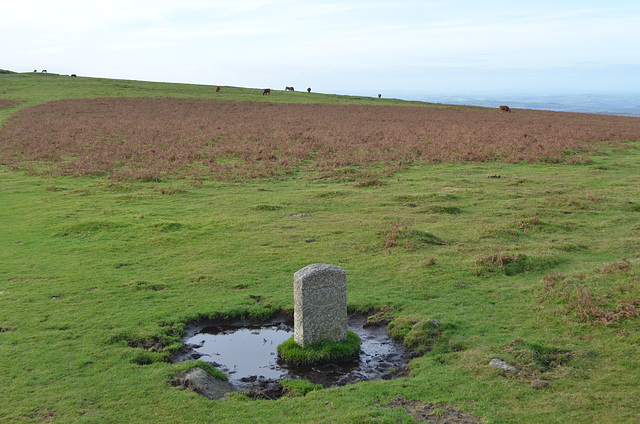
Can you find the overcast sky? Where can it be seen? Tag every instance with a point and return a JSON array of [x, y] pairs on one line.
[[347, 46]]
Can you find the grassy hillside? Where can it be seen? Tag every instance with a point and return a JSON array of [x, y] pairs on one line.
[[35, 88], [535, 264]]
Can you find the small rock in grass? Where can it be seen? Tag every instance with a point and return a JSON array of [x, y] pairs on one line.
[[204, 384], [497, 363]]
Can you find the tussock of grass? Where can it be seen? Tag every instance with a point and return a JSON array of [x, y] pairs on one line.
[[331, 194], [397, 236], [86, 228], [369, 183], [425, 335], [145, 357], [606, 296], [534, 358], [506, 263], [633, 207], [511, 265], [571, 247], [266, 208], [144, 285], [298, 388], [451, 210], [321, 352], [411, 199]]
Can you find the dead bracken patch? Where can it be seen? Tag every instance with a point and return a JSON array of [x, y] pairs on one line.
[[436, 413], [152, 138], [606, 296], [7, 103]]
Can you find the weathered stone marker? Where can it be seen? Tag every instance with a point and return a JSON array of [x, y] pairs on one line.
[[320, 304]]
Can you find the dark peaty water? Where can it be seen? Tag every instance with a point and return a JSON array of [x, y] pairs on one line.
[[247, 352]]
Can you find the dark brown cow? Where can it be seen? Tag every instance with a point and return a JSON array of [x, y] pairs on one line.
[[217, 89], [266, 92], [289, 89], [504, 108], [379, 95], [309, 90]]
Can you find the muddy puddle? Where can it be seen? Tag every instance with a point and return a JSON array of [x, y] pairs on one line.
[[247, 353]]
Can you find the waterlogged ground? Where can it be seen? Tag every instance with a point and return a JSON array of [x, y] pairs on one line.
[[247, 353]]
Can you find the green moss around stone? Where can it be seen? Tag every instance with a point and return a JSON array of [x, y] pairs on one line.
[[187, 366], [321, 352]]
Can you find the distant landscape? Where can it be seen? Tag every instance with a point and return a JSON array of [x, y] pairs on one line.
[[606, 104]]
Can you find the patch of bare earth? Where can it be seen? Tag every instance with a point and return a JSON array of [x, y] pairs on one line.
[[436, 413], [151, 138]]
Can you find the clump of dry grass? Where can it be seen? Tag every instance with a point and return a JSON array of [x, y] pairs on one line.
[[397, 236], [148, 139], [503, 262], [603, 297]]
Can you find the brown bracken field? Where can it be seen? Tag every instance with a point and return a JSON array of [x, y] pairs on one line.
[[152, 138], [7, 103]]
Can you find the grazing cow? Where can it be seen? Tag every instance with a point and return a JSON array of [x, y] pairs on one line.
[[35, 70], [266, 92], [74, 76], [289, 89], [309, 90], [379, 95], [44, 71], [504, 108], [217, 89]]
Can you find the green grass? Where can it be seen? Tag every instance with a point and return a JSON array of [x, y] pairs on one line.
[[320, 352], [98, 279], [36, 88], [298, 388]]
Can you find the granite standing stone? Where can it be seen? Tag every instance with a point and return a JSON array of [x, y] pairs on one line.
[[320, 304]]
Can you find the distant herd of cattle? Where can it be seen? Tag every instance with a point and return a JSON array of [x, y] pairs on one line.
[[267, 91]]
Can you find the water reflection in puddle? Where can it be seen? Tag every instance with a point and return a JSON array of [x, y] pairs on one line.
[[248, 352]]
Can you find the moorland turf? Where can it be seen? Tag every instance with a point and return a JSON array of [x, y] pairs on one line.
[[479, 235]]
